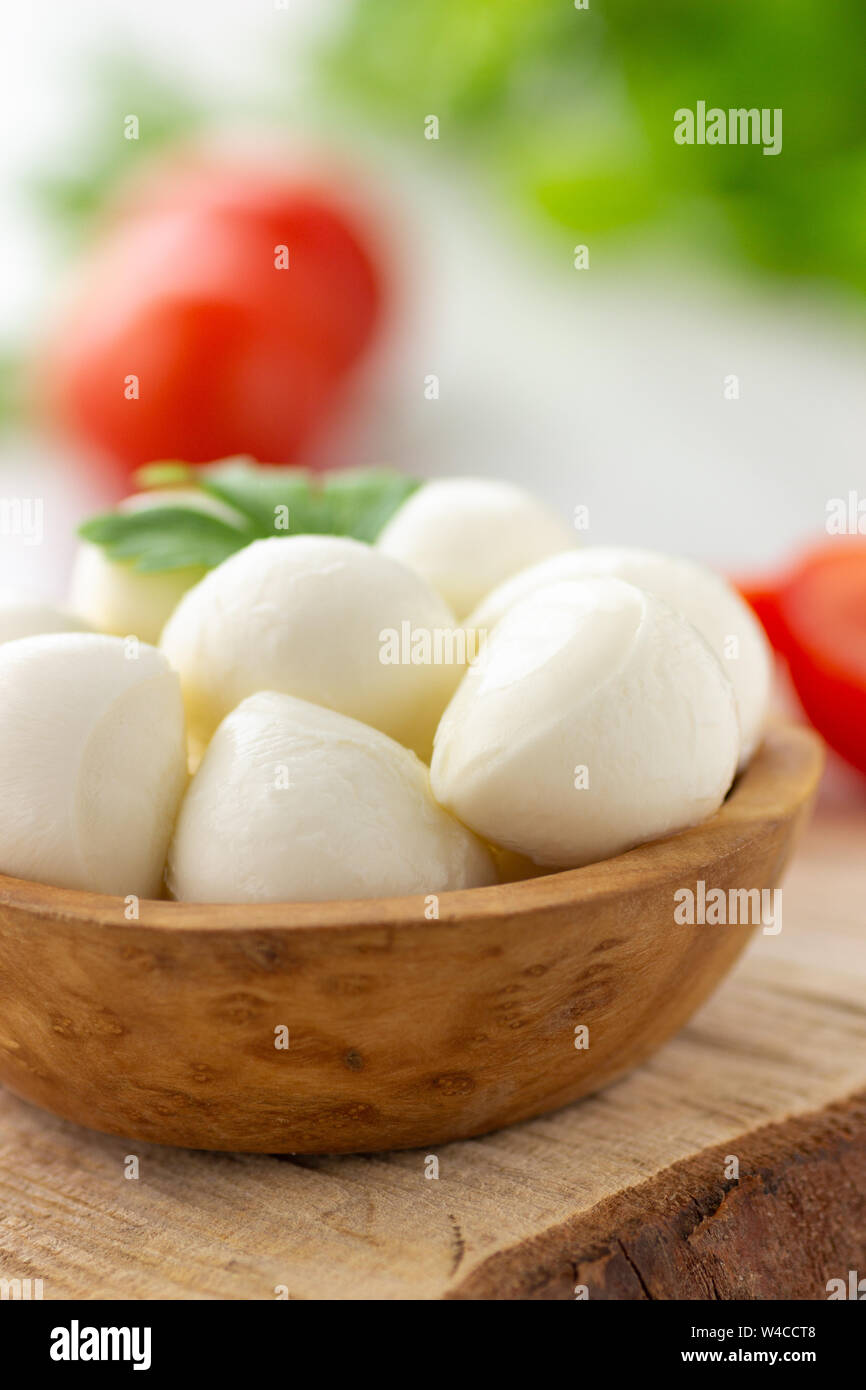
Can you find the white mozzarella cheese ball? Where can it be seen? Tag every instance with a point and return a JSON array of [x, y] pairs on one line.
[[119, 599], [92, 762], [124, 601], [295, 803], [711, 604], [596, 717], [464, 535], [322, 618], [23, 616]]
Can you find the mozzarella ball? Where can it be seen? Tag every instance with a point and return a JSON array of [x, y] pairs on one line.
[[296, 803], [708, 601], [23, 616], [119, 599], [464, 535], [319, 617], [92, 762], [123, 601], [595, 717]]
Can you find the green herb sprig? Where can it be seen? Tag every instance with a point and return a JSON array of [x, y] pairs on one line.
[[252, 502]]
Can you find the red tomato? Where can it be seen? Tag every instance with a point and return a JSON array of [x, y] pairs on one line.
[[822, 610], [763, 596], [229, 353]]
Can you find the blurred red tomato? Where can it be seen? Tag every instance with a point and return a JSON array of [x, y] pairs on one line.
[[822, 609], [219, 315], [815, 616]]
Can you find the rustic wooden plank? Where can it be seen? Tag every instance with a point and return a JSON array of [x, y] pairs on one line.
[[786, 1221], [785, 1036]]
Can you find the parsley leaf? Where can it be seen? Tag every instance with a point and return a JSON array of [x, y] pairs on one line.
[[166, 538], [263, 501]]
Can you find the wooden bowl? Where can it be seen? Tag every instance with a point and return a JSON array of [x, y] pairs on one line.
[[404, 1030]]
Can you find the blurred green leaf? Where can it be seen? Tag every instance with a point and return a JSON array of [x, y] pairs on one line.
[[11, 380], [73, 196], [571, 113]]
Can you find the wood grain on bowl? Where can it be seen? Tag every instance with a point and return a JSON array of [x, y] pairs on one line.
[[403, 1029]]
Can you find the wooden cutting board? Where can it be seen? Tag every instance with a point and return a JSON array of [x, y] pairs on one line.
[[628, 1194]]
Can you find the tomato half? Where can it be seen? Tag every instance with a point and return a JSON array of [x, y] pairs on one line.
[[763, 596], [822, 610]]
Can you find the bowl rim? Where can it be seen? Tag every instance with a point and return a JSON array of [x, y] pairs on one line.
[[645, 866]]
